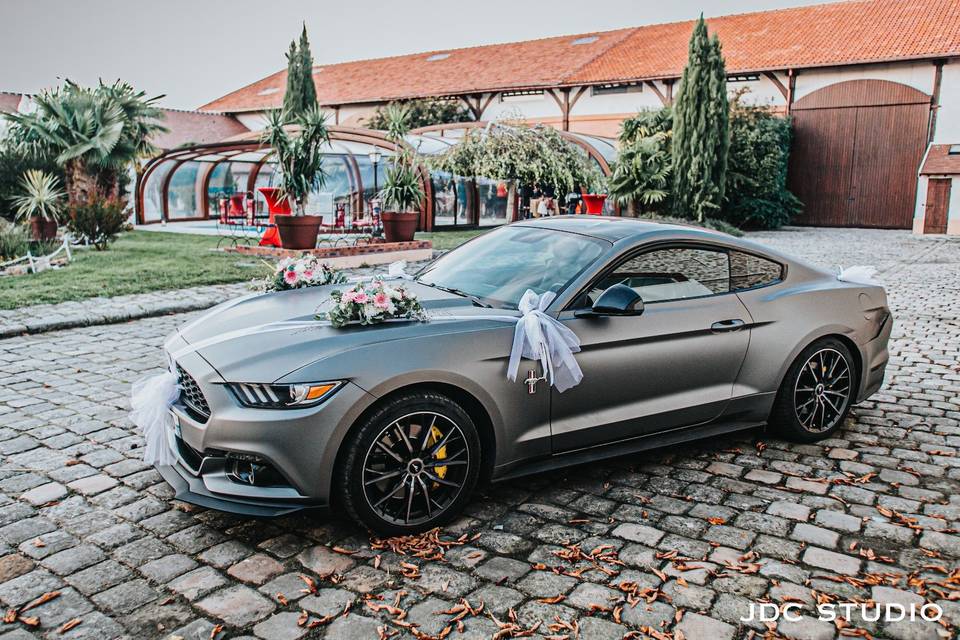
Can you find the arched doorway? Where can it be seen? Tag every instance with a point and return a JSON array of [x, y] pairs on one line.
[[856, 152]]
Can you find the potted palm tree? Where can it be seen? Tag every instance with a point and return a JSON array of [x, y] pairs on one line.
[[402, 193], [298, 141], [40, 203]]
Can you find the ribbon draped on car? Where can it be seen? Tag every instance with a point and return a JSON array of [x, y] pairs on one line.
[[537, 336], [859, 274]]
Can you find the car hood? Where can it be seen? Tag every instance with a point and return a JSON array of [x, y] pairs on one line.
[[264, 337]]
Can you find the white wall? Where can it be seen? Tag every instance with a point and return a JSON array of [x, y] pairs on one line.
[[918, 75], [948, 118]]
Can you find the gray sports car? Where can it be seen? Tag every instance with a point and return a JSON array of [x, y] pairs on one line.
[[685, 333]]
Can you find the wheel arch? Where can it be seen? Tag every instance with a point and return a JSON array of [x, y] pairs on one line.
[[468, 401], [834, 333]]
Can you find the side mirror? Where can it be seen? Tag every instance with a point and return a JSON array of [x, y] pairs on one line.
[[618, 300]]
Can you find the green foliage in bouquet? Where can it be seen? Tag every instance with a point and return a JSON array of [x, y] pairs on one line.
[[374, 302], [298, 273]]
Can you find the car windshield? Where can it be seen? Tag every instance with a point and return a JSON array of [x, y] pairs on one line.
[[498, 267]]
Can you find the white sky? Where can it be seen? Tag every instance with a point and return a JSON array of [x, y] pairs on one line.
[[197, 50]]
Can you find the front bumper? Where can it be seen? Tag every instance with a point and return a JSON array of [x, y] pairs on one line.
[[299, 445]]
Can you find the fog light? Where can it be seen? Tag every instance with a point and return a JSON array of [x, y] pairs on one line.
[[255, 473]]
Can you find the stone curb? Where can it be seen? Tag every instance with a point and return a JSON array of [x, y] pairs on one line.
[[124, 314]]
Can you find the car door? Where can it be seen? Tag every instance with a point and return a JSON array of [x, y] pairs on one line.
[[672, 366]]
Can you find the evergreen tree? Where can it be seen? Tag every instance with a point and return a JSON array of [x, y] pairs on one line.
[[700, 131], [293, 97], [309, 90]]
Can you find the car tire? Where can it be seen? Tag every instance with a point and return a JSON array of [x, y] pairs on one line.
[[393, 479], [817, 392]]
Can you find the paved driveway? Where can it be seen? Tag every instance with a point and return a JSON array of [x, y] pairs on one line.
[[678, 540]]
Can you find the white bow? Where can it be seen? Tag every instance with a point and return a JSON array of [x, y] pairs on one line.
[[859, 274], [151, 399], [539, 336]]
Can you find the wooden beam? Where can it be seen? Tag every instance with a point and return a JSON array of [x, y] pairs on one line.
[[486, 104], [772, 77], [935, 98], [663, 99], [577, 97], [791, 88]]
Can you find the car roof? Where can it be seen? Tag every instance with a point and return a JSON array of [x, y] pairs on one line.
[[609, 228], [631, 230]]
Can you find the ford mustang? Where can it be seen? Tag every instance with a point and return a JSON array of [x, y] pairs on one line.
[[684, 333]]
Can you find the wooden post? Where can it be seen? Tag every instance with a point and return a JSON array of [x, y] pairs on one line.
[[935, 98]]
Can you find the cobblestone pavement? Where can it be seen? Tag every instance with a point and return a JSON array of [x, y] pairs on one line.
[[676, 542]]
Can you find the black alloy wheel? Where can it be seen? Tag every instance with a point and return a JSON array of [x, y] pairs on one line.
[[817, 392], [412, 465]]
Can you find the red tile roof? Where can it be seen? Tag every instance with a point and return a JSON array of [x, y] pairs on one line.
[[939, 161], [820, 35], [187, 127], [814, 36], [533, 63]]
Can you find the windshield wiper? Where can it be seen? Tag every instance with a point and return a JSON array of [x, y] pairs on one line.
[[469, 296]]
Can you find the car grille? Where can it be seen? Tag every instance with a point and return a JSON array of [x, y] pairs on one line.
[[190, 394]]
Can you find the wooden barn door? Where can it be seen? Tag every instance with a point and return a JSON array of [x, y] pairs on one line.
[[938, 202], [856, 151]]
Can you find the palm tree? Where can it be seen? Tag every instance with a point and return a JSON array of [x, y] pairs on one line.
[[95, 134]]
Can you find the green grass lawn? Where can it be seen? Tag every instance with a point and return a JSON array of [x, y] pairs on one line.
[[445, 240], [139, 261], [142, 261]]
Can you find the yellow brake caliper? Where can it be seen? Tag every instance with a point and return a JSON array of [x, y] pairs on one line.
[[432, 439]]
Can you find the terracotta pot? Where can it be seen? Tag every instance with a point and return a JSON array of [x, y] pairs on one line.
[[594, 202], [298, 232], [43, 229], [399, 226]]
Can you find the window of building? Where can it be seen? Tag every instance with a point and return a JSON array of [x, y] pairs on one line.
[[585, 40], [672, 274], [620, 87], [521, 96], [748, 271], [743, 77]]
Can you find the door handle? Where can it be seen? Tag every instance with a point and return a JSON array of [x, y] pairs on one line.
[[734, 324]]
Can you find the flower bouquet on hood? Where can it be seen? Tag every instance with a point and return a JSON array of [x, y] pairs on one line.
[[297, 273], [372, 303]]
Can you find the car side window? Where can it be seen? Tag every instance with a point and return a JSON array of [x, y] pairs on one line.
[[674, 273], [748, 271]]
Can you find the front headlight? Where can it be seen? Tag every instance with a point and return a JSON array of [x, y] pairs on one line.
[[283, 396]]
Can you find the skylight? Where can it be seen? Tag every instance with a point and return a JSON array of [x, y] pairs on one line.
[[585, 40], [438, 56], [267, 92]]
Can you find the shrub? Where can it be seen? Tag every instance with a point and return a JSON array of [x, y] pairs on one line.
[[13, 165], [641, 175], [98, 220], [757, 195], [14, 240], [422, 113]]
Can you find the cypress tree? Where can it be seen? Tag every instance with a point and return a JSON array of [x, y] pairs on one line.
[[293, 97], [309, 90], [701, 129]]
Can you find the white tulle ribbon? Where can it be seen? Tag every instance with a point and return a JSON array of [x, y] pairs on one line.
[[398, 269], [151, 399], [542, 337], [859, 274]]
